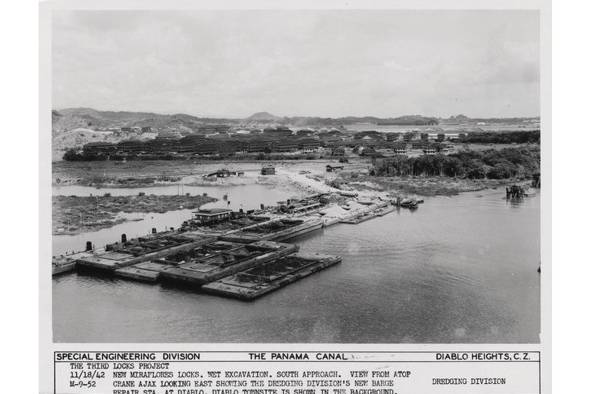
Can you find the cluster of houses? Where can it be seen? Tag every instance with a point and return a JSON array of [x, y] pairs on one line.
[[196, 144], [223, 140]]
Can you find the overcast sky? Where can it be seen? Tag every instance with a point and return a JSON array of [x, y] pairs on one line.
[[317, 63]]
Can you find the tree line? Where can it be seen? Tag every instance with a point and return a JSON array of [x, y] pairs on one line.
[[518, 137], [505, 163]]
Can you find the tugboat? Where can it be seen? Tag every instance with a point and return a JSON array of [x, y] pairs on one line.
[[409, 203], [515, 192]]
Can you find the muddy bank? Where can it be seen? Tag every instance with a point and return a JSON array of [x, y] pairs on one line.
[[108, 172], [74, 215], [103, 181], [422, 186]]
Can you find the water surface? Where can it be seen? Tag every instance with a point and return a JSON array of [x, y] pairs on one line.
[[459, 269], [234, 197]]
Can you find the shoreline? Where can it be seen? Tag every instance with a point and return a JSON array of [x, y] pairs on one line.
[[74, 215], [289, 176], [433, 187]]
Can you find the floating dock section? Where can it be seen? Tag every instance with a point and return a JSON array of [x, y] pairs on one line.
[[204, 265], [147, 271], [265, 278], [127, 253], [63, 264], [275, 230], [235, 222], [233, 254], [381, 210]]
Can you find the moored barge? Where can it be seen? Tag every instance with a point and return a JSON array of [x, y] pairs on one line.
[[126, 253], [265, 278], [215, 261]]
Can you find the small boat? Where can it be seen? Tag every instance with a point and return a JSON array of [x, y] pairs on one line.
[[409, 203]]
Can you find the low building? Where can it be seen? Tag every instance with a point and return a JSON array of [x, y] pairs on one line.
[[214, 129], [285, 146], [259, 146], [400, 149], [222, 173], [338, 151], [99, 148], [367, 151], [268, 170], [420, 145], [309, 145], [409, 136], [430, 149], [278, 132], [165, 142], [305, 133], [131, 146], [213, 215], [331, 168], [392, 136], [192, 143], [368, 135]]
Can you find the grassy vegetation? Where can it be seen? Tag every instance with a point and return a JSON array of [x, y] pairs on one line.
[[511, 137], [520, 163], [72, 214]]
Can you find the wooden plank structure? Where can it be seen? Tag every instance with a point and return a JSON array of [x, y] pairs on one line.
[[262, 279]]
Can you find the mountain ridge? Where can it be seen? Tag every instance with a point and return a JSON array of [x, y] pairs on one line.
[[84, 117]]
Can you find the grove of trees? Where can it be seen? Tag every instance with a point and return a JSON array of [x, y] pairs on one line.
[[521, 162]]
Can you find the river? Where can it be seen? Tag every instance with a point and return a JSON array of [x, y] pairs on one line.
[[459, 269], [245, 197]]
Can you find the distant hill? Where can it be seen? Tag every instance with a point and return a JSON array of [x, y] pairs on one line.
[[459, 118], [463, 119], [76, 138], [74, 127], [411, 120], [263, 116], [71, 118], [314, 121]]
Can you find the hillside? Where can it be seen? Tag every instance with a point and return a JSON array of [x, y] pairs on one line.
[[263, 116], [74, 127], [76, 138], [414, 120], [71, 118]]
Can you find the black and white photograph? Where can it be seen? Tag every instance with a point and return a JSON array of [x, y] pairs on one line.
[[296, 176]]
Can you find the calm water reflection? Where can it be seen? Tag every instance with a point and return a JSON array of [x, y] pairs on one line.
[[244, 196], [459, 269]]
